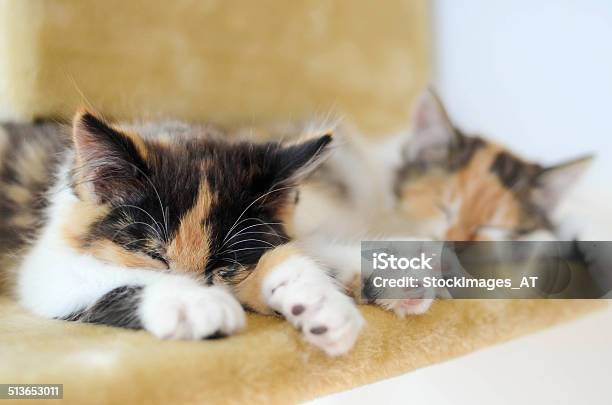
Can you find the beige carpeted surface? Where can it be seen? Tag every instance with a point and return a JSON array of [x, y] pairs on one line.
[[268, 363]]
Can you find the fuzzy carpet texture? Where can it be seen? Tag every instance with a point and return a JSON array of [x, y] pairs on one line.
[[231, 62], [267, 363]]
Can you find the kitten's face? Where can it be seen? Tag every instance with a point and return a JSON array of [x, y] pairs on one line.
[[187, 203], [461, 187]]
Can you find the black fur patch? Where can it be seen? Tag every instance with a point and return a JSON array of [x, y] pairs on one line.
[[118, 307], [463, 150], [252, 184], [519, 177], [512, 172]]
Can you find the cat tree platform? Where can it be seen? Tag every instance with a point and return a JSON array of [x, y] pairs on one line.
[[267, 363]]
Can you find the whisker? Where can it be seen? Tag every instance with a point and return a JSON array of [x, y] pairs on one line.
[[251, 204], [134, 241], [136, 223], [234, 261], [161, 205], [243, 249], [252, 226], [263, 233], [250, 240], [143, 210]]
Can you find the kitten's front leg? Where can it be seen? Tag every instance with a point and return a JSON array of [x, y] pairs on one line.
[[345, 260], [169, 306], [295, 286], [175, 308], [182, 309]]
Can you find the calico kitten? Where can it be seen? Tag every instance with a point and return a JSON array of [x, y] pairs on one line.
[[430, 182], [168, 228], [464, 187]]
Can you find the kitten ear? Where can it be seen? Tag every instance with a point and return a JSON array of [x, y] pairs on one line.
[[553, 182], [109, 163], [432, 132], [295, 162]]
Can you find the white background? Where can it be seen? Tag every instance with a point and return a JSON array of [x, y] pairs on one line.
[[536, 76]]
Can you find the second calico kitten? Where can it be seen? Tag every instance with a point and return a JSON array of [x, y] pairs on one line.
[[430, 182]]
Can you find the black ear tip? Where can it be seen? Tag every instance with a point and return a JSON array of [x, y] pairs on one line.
[[326, 139], [83, 114], [86, 119], [89, 123]]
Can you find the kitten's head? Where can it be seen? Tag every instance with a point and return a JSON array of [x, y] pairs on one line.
[[464, 187], [189, 202]]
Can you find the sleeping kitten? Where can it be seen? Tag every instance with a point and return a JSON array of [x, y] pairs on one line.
[[464, 187], [168, 228], [433, 182]]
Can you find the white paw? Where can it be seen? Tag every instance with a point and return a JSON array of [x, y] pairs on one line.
[[416, 301], [406, 306], [311, 301], [182, 309]]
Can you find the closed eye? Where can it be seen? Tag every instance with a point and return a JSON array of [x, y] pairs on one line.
[[159, 258], [496, 232]]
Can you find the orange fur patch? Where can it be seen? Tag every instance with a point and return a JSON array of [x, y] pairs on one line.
[[418, 195], [190, 249], [110, 252], [473, 198], [287, 216], [249, 292], [83, 214], [485, 201]]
